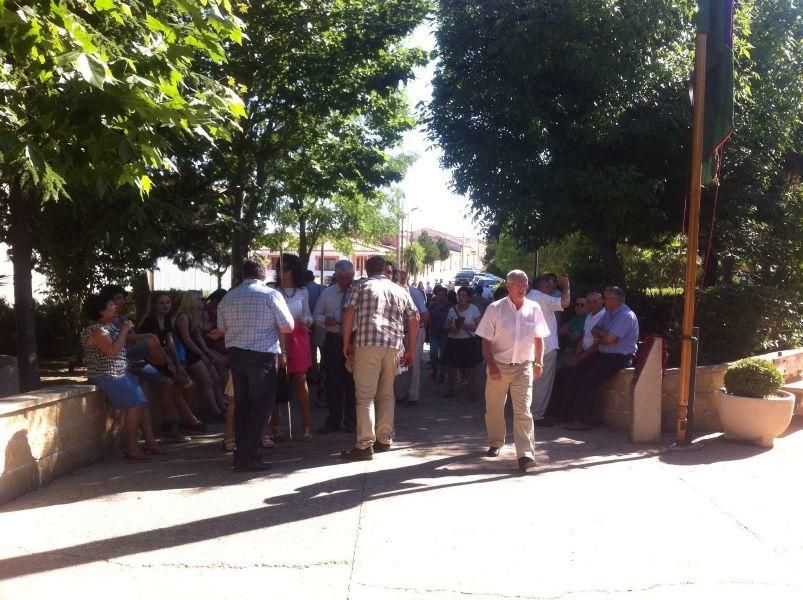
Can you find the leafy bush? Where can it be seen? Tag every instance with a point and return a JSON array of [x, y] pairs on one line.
[[753, 378]]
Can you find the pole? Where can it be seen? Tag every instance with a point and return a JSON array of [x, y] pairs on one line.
[[686, 343], [322, 263], [401, 244]]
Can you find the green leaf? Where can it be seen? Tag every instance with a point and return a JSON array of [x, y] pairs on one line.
[[92, 70]]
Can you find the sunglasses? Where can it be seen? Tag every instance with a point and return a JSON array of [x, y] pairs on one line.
[[579, 304]]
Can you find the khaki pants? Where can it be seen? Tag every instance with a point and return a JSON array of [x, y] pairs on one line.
[[518, 380], [374, 372]]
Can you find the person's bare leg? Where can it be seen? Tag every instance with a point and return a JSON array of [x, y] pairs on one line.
[[166, 397], [184, 410], [131, 422], [200, 374], [452, 377], [217, 386], [472, 384], [302, 394], [229, 435]]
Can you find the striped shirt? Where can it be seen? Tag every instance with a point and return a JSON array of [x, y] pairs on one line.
[[381, 310], [252, 315]]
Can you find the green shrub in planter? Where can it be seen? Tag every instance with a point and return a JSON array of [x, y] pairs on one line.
[[753, 378]]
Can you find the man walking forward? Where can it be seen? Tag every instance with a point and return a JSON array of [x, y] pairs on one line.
[[253, 316], [512, 331], [380, 308]]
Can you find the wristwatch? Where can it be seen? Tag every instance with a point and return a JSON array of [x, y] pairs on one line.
[[538, 364]]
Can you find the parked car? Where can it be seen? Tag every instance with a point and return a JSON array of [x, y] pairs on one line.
[[487, 279], [464, 277]]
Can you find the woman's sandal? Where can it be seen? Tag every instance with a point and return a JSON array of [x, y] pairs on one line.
[[267, 441], [229, 445], [306, 436], [154, 450], [138, 456]]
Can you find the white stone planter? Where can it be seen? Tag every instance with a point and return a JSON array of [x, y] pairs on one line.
[[759, 420]]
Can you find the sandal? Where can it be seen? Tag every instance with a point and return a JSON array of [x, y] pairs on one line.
[[229, 445], [153, 449], [306, 436], [138, 456], [267, 442], [276, 434]]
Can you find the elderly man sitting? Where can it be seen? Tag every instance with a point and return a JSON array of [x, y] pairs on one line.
[[616, 335]]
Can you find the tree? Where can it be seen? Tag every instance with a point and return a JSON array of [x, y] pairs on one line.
[[309, 69], [565, 116], [431, 251], [762, 167], [414, 259], [443, 249], [91, 95]]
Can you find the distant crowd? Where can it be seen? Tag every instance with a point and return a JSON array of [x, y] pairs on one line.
[[232, 358]]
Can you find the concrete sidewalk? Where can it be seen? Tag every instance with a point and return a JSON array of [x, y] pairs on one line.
[[434, 518]]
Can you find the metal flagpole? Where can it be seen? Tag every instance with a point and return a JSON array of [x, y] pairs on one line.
[[688, 366]]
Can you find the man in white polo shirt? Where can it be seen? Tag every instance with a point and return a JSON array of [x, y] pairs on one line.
[[512, 331], [542, 293]]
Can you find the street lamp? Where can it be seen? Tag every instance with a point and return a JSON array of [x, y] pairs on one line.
[[401, 237]]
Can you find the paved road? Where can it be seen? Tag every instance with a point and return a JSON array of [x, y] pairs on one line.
[[434, 518]]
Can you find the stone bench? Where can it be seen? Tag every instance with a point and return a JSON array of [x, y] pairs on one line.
[[49, 432], [796, 389]]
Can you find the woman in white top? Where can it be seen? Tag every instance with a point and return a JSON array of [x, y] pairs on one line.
[[462, 347], [296, 349]]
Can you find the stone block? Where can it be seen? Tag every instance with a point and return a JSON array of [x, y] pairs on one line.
[[645, 422], [17, 482]]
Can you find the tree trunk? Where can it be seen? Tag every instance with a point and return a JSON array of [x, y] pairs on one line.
[[141, 294], [21, 239], [303, 245], [612, 267]]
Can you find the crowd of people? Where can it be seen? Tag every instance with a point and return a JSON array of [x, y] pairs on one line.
[[233, 357]]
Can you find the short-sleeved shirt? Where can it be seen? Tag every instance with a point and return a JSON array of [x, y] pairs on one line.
[[252, 315], [549, 306], [471, 316], [99, 365], [512, 331], [624, 325], [419, 299], [381, 310], [576, 323], [590, 323]]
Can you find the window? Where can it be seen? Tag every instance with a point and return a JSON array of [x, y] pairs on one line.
[[328, 263]]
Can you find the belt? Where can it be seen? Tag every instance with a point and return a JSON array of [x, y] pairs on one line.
[[517, 364]]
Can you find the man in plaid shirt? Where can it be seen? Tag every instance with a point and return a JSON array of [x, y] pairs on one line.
[[380, 308]]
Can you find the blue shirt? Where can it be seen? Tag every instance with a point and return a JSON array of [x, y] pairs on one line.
[[418, 299], [624, 325], [252, 315], [314, 291]]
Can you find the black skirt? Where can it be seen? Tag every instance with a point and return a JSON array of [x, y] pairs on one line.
[[463, 353]]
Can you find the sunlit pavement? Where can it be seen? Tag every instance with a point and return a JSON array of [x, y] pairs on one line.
[[598, 517]]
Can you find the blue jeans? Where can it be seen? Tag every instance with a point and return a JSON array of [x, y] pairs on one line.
[[436, 347]]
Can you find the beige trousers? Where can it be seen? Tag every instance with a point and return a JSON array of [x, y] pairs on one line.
[[374, 372], [518, 380]]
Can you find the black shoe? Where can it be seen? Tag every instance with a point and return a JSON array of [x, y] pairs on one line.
[[525, 462], [545, 422], [357, 454], [252, 467], [199, 427], [327, 429], [380, 447], [493, 451]]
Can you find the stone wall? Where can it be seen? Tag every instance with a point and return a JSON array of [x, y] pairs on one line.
[[615, 400], [50, 432]]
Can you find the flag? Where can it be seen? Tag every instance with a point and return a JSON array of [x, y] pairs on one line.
[[715, 17]]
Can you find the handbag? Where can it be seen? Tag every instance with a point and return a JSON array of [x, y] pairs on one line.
[[282, 386], [181, 351]]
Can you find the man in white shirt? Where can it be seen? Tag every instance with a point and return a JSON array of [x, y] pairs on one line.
[[328, 315], [542, 293], [512, 331]]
